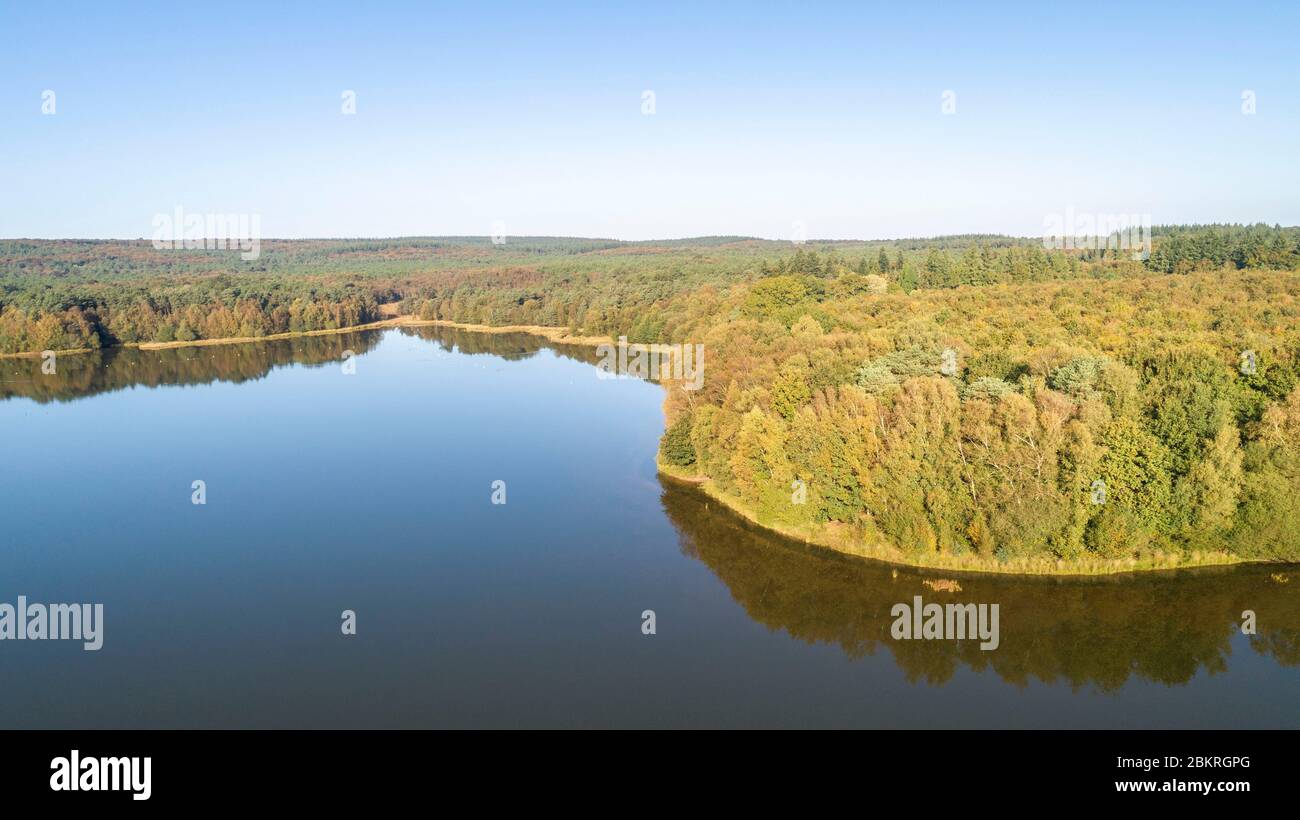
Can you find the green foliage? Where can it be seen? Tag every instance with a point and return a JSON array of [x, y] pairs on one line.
[[1190, 401], [790, 391], [1137, 475], [1079, 376], [996, 364], [1182, 248], [875, 377], [987, 388], [676, 445], [770, 295]]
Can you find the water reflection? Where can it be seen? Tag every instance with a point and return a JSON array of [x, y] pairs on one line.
[[81, 375], [1098, 632], [509, 346]]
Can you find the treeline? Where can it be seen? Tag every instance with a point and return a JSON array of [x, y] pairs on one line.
[[70, 294], [938, 268], [1182, 249], [620, 299], [71, 317]]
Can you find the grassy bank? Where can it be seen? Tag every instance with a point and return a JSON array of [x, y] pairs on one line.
[[556, 335], [842, 541]]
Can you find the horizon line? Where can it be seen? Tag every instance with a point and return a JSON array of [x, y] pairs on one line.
[[728, 237]]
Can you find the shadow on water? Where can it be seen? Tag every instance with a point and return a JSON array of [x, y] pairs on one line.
[[1163, 627], [79, 376], [1098, 632], [82, 375], [509, 346]]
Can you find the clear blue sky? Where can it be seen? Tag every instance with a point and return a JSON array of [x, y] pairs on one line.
[[765, 114]]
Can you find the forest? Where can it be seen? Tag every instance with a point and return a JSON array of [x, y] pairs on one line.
[[968, 401]]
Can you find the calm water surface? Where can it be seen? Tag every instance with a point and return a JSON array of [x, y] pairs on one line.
[[372, 492]]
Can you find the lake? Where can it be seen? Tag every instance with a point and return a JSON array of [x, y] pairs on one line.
[[373, 492]]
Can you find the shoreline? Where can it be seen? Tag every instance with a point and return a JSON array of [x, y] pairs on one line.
[[969, 565], [818, 537], [555, 335]]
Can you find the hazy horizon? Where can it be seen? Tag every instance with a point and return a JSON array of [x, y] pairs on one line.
[[572, 237]]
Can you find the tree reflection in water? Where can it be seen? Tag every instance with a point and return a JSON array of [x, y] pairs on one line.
[[1098, 632]]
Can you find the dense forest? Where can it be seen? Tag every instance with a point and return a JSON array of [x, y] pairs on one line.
[[79, 294], [1107, 420], [964, 400]]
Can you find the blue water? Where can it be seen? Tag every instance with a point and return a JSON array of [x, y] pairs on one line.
[[372, 492]]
